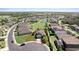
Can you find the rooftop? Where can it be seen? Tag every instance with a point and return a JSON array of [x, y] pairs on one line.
[[70, 41], [24, 28], [76, 26]]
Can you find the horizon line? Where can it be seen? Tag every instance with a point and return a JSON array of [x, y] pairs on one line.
[[39, 9]]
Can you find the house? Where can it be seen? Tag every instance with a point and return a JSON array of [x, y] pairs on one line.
[[71, 43], [55, 26], [23, 28], [75, 28], [41, 32], [53, 20], [69, 40], [33, 19]]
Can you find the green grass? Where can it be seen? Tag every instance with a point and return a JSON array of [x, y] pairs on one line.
[[46, 40], [39, 24], [24, 38], [2, 44], [52, 39]]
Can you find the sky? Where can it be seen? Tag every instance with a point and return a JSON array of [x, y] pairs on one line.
[[39, 9]]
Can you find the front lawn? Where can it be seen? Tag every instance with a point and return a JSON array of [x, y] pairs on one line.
[[24, 38]]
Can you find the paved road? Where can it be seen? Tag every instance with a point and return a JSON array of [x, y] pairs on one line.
[[11, 45], [28, 47]]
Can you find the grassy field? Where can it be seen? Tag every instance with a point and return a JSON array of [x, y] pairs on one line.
[[24, 38]]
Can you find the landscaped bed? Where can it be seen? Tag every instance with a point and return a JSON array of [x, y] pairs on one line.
[[52, 39], [24, 38], [46, 40]]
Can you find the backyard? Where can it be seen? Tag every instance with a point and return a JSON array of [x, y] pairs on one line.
[[39, 24]]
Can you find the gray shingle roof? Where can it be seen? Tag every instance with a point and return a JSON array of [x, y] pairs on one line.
[[24, 28]]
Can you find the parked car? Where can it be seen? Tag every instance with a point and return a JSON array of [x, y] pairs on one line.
[[22, 44]]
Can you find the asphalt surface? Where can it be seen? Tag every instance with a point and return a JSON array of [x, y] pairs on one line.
[[11, 45], [32, 46]]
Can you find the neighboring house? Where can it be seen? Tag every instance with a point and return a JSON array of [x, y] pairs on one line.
[[53, 20], [23, 28], [70, 42], [33, 19], [41, 32], [60, 33], [55, 26], [9, 24], [75, 28]]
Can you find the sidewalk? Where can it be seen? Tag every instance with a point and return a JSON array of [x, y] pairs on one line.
[[38, 40]]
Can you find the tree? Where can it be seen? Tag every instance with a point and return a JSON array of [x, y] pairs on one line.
[[17, 30], [3, 21]]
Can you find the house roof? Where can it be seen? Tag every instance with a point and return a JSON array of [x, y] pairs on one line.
[[23, 28], [67, 38], [41, 32], [76, 26]]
